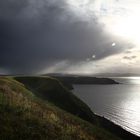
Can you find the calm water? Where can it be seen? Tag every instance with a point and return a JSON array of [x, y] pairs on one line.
[[119, 103]]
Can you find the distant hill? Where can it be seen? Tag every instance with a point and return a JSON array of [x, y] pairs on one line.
[[96, 75], [69, 79], [25, 116]]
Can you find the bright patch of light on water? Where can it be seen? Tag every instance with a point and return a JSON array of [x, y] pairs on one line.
[[128, 80]]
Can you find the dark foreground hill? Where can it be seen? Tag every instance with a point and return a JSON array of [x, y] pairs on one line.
[[69, 80], [25, 116], [53, 91]]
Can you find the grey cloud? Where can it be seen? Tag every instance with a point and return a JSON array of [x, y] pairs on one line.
[[35, 34], [128, 52], [129, 57]]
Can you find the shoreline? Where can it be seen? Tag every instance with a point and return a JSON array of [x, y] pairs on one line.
[[106, 123], [114, 128]]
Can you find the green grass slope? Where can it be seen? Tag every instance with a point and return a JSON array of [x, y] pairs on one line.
[[23, 116], [53, 91]]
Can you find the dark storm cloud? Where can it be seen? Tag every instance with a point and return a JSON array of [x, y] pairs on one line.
[[36, 33]]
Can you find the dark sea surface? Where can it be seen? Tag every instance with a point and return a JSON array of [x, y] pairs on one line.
[[119, 103]]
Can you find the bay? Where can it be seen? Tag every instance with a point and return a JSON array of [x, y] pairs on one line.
[[118, 103]]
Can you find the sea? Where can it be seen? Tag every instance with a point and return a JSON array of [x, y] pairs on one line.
[[119, 103]]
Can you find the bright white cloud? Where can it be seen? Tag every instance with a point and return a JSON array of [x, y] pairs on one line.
[[121, 18]]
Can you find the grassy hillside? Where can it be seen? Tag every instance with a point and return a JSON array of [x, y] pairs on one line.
[[53, 91], [24, 116]]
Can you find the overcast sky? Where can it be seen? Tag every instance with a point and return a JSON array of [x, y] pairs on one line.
[[73, 36]]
